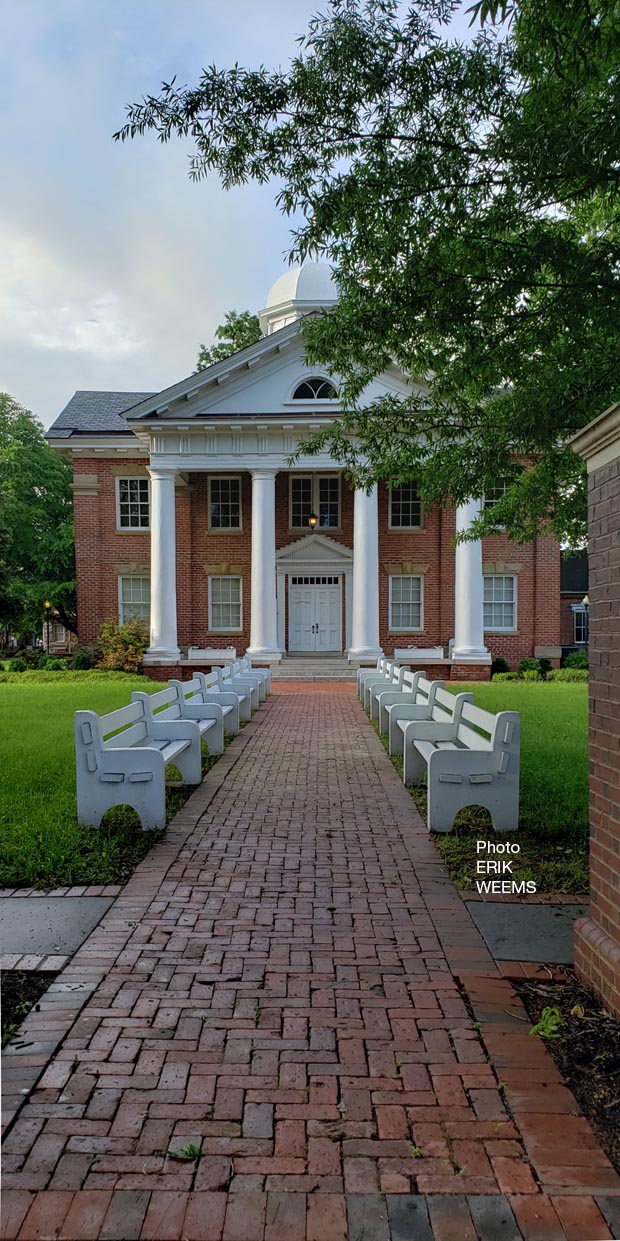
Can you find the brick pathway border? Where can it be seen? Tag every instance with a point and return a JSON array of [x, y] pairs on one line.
[[290, 979]]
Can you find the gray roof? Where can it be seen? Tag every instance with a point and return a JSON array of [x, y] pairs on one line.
[[95, 413]]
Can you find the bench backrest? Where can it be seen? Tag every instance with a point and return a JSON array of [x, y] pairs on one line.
[[124, 727], [448, 708], [500, 733], [206, 681], [417, 684], [163, 704]]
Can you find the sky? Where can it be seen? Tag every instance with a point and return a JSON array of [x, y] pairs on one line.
[[114, 266]]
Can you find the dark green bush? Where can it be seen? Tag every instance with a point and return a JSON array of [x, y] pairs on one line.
[[19, 665], [529, 665], [82, 659], [31, 657], [54, 665], [577, 659], [545, 666], [499, 665]]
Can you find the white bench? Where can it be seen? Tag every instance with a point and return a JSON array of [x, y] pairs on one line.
[[247, 685], [382, 677], [121, 758], [263, 673], [242, 670], [363, 673], [211, 689], [442, 708], [391, 685], [471, 761], [416, 694], [222, 709], [171, 704]]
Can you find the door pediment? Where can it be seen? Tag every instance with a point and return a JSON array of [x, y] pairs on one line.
[[314, 549]]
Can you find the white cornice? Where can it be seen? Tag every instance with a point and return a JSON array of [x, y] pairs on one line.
[[599, 442]]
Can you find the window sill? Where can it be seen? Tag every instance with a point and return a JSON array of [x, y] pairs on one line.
[[133, 530], [225, 529], [499, 632]]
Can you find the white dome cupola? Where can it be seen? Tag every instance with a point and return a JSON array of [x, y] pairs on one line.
[[297, 292]]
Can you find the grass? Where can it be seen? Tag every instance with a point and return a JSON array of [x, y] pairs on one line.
[[553, 831], [42, 844]]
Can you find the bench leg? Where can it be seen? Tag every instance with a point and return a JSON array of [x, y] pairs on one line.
[[442, 806], [505, 817], [189, 763], [413, 763]]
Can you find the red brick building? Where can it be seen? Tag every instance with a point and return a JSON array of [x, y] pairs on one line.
[[189, 515]]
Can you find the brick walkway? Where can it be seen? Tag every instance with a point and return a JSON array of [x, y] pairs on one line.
[[279, 985]]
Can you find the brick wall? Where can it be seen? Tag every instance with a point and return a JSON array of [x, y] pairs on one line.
[[102, 553], [597, 940]]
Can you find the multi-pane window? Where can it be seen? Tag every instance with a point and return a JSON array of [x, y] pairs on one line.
[[405, 602], [315, 493], [134, 599], [580, 621], [315, 389], [329, 501], [405, 507], [500, 601], [493, 494], [301, 500], [132, 504], [225, 604], [225, 503]]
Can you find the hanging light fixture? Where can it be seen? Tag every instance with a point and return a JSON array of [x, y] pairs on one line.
[[312, 520]]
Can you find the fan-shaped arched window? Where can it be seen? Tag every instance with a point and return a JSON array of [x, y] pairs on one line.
[[315, 389]]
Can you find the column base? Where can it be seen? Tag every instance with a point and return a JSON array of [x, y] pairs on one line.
[[263, 655], [162, 655], [597, 962], [364, 654]]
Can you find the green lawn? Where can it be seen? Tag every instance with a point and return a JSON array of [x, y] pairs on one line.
[[41, 843], [554, 787]]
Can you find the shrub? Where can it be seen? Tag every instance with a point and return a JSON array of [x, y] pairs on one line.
[[82, 659], [545, 667], [506, 676], [18, 665], [577, 659], [123, 646], [529, 665], [568, 674], [29, 656], [54, 665], [499, 665], [529, 674]]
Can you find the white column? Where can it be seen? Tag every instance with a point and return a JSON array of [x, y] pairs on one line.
[[264, 613], [164, 646], [365, 602], [468, 592]]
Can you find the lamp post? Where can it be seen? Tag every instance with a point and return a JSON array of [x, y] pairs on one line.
[[47, 605], [586, 603], [312, 520]]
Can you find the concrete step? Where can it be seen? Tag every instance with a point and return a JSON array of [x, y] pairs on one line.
[[318, 668]]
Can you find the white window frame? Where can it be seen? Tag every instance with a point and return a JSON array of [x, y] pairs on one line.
[[515, 605], [405, 628], [219, 577], [398, 528], [130, 478], [579, 610], [122, 577], [312, 400], [222, 478], [315, 501]]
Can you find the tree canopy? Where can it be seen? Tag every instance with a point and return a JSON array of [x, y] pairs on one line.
[[239, 329], [466, 193], [36, 524]]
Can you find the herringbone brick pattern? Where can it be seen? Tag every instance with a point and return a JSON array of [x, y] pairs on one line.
[[276, 986]]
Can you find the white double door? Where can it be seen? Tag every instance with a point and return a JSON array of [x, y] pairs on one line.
[[314, 614]]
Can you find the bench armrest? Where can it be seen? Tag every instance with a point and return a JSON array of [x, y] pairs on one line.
[[429, 730], [202, 710], [173, 730]]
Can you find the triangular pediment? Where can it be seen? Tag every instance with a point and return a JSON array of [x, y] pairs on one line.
[[314, 549]]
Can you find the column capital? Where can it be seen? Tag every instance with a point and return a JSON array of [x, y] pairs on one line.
[[162, 473], [264, 472]]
